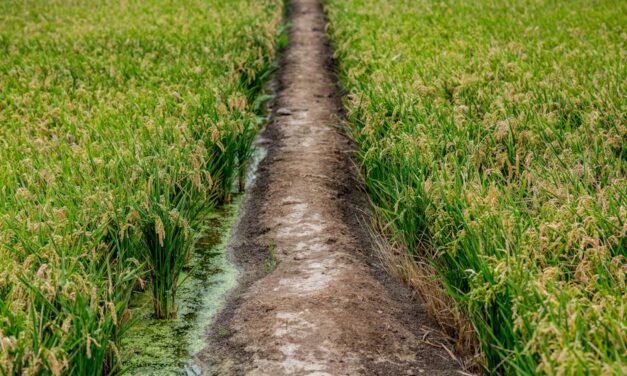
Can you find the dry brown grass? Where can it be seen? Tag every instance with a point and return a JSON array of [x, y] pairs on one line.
[[427, 287]]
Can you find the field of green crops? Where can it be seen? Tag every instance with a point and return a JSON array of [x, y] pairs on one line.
[[493, 138], [122, 124]]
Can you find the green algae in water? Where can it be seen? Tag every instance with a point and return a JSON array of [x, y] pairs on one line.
[[168, 347]]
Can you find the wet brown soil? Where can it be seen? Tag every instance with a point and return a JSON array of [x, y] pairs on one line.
[[313, 300]]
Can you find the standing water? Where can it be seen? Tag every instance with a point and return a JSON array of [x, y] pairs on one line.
[[168, 347]]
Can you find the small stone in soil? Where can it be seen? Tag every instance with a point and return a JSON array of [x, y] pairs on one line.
[[299, 257], [283, 112]]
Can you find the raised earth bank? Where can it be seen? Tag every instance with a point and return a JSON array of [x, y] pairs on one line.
[[313, 300]]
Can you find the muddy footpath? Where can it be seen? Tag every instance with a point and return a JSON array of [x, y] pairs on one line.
[[313, 299]]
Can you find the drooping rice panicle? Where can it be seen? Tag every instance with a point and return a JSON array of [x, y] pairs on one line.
[[121, 125], [493, 139]]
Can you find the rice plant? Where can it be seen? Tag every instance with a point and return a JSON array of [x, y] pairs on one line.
[[492, 137], [122, 124]]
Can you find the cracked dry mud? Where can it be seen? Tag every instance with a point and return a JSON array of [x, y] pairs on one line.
[[325, 308]]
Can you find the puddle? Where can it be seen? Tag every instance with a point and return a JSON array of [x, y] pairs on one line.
[[259, 153]]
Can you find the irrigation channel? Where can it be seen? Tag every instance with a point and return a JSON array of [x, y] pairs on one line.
[[293, 285]]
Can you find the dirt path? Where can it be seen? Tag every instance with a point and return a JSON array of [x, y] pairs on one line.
[[323, 309]]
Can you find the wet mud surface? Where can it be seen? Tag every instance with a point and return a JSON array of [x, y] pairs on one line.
[[312, 299]]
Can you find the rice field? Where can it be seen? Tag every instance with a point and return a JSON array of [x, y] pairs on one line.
[[123, 124], [493, 141], [492, 138]]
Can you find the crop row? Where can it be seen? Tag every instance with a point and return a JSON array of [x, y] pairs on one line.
[[493, 140], [122, 124]]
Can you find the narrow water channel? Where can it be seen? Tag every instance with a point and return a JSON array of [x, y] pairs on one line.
[[168, 347]]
